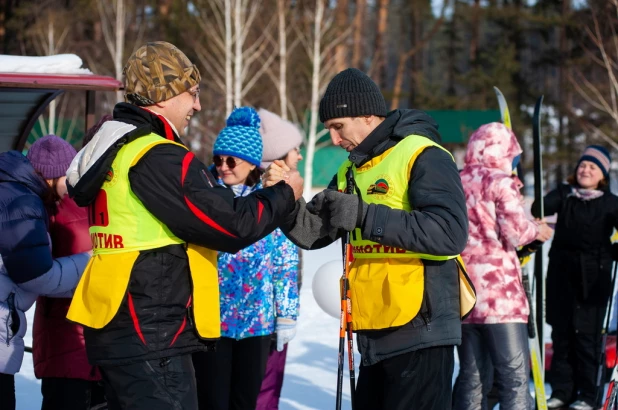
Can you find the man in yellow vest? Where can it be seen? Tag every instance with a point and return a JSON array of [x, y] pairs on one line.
[[150, 296], [408, 224]]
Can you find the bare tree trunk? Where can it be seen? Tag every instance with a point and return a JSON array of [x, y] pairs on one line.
[[283, 63], [380, 55], [115, 41], [452, 54], [403, 58], [238, 19], [359, 25], [418, 16], [119, 51], [51, 50], [342, 18], [475, 32], [315, 93], [229, 89], [562, 77]]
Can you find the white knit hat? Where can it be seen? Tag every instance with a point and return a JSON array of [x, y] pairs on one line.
[[278, 135]]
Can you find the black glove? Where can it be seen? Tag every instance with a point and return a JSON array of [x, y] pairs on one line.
[[345, 211], [529, 249]]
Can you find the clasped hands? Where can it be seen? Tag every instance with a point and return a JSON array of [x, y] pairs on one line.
[[278, 171], [339, 210]]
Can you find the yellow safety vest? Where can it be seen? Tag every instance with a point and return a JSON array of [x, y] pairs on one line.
[[386, 282], [121, 227]]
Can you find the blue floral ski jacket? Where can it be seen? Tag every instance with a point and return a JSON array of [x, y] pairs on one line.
[[258, 284]]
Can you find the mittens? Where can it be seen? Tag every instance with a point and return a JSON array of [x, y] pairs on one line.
[[286, 330]]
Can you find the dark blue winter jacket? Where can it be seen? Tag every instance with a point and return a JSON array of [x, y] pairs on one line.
[[26, 265], [24, 243]]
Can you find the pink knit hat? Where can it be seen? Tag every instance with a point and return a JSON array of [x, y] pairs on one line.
[[278, 135]]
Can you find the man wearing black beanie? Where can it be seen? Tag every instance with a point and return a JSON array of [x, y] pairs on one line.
[[408, 224]]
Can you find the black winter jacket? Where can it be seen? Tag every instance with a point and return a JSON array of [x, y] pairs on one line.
[[437, 225], [159, 291], [580, 260]]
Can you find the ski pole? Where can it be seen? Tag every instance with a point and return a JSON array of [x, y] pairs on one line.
[[345, 323], [342, 327], [608, 313]]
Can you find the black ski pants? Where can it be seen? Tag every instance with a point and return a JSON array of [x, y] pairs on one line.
[[160, 384], [486, 350], [419, 380], [576, 345], [230, 378], [7, 391], [70, 394]]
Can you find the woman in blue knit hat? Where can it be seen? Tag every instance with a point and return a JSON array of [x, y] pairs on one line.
[[258, 288], [579, 277]]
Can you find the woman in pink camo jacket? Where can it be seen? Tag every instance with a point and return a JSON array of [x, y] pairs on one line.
[[494, 336]]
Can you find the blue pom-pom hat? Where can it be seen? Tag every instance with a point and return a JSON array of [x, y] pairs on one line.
[[241, 137]]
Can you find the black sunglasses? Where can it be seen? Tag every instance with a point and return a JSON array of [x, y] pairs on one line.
[[230, 161]]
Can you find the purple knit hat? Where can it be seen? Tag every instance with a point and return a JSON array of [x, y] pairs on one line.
[[51, 156]]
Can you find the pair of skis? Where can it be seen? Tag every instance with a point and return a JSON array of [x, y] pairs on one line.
[[535, 331]]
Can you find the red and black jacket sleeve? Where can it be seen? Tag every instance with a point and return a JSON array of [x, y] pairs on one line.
[[179, 190]]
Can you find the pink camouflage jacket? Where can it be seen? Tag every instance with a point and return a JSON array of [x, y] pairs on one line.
[[497, 226]]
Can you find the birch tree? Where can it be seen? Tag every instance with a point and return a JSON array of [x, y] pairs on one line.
[[49, 37], [113, 24], [323, 67], [227, 55], [48, 42], [214, 48], [285, 48], [283, 63]]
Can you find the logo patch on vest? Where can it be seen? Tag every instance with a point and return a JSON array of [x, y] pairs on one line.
[[381, 188], [110, 177]]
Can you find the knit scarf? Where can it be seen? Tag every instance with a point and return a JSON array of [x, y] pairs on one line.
[[585, 194]]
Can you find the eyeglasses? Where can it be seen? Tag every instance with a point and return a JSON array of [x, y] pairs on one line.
[[231, 162], [195, 94]]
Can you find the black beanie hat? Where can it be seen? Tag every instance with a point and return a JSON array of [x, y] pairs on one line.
[[351, 93]]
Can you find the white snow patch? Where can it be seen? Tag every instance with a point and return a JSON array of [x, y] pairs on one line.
[[56, 64]]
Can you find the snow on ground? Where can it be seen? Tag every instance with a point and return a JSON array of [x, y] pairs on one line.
[[311, 370]]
